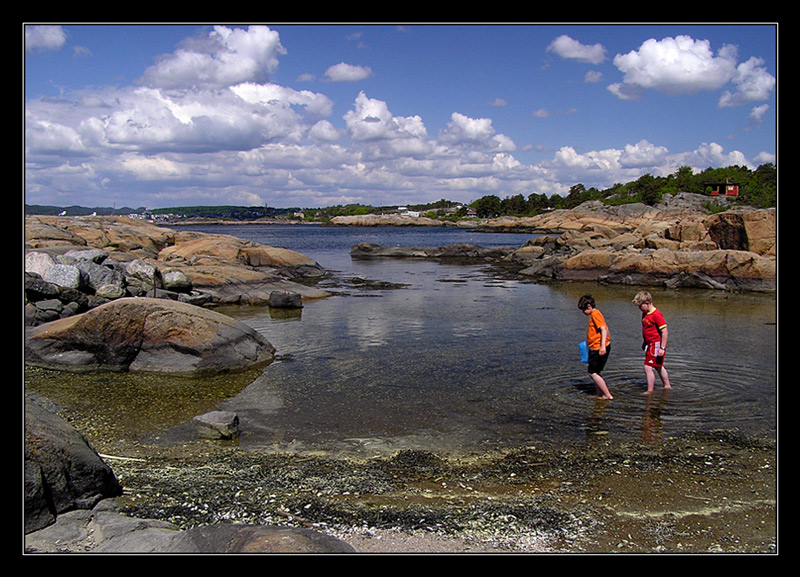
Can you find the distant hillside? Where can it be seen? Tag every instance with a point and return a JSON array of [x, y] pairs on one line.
[[36, 209], [231, 212]]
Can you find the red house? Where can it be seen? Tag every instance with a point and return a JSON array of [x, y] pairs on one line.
[[729, 189]]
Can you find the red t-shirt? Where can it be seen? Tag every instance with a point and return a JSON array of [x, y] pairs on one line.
[[593, 335], [652, 324]]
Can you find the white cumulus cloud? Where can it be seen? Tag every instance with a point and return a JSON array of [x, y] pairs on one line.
[[572, 49], [343, 72], [753, 84], [223, 58], [679, 65], [206, 123]]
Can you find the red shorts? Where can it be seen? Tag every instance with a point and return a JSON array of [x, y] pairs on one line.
[[654, 356]]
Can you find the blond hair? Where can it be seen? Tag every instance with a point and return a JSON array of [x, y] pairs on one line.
[[642, 297]]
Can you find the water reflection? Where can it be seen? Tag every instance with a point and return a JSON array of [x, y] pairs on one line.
[[488, 365], [652, 426]]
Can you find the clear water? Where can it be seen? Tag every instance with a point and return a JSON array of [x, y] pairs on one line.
[[460, 360]]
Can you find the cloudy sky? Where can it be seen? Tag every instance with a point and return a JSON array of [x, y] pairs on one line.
[[319, 115]]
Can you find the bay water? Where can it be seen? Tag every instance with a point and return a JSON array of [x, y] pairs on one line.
[[457, 358]]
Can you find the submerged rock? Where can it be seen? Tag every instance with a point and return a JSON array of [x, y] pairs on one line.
[[285, 300]]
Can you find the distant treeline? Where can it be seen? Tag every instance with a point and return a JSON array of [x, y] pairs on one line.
[[757, 188], [225, 211]]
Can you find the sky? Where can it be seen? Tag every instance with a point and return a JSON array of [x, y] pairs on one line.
[[312, 116]]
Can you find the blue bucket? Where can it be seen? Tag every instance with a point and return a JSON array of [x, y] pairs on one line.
[[584, 348]]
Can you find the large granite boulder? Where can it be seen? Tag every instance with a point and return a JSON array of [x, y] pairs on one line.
[[62, 471], [716, 269], [746, 230], [147, 335], [675, 244], [193, 246]]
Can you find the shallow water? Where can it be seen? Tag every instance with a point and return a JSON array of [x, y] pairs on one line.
[[456, 360], [459, 360]]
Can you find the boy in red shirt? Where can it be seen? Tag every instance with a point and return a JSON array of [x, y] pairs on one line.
[[599, 342], [654, 340]]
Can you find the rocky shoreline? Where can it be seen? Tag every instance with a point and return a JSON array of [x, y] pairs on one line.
[[679, 243], [73, 264], [711, 492]]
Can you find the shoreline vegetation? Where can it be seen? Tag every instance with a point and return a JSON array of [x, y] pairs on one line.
[[710, 492], [728, 187]]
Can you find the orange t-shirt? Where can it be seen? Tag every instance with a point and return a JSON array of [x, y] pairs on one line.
[[593, 335]]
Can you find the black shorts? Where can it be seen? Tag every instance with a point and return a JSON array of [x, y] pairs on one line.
[[597, 361]]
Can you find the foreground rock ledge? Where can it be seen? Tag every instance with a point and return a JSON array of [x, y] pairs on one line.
[[150, 336], [70, 505]]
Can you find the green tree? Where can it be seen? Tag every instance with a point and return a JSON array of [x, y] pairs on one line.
[[577, 195], [647, 189], [514, 206], [537, 203], [487, 206]]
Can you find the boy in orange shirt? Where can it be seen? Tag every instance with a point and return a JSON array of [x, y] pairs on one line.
[[598, 340], [654, 340]]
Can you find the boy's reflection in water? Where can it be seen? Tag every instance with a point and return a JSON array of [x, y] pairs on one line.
[[652, 429], [594, 424]]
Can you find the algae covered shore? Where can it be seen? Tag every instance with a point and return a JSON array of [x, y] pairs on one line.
[[713, 492]]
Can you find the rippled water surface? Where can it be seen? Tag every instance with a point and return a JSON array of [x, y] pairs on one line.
[[459, 359]]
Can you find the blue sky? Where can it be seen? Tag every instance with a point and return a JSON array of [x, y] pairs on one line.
[[319, 115]]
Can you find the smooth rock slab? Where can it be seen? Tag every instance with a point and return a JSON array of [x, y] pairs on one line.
[[150, 336], [104, 530], [233, 538], [217, 425]]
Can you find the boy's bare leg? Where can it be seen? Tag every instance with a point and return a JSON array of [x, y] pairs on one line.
[[600, 385], [651, 378], [664, 377]]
